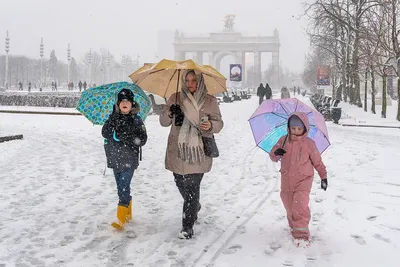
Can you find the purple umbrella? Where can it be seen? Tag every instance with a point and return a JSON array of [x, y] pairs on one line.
[[269, 123]]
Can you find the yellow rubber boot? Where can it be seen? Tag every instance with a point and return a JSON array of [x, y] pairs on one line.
[[122, 215], [129, 215]]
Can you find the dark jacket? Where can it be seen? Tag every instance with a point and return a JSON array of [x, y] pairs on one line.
[[268, 91], [261, 90], [131, 132]]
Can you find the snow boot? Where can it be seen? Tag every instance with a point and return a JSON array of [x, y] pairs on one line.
[[122, 216], [186, 233], [301, 243], [129, 215]]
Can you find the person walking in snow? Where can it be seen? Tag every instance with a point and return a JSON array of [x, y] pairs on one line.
[[268, 91], [125, 134], [191, 113], [299, 156], [84, 86], [261, 93], [80, 86]]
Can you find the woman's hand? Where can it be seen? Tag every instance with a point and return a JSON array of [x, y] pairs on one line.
[[205, 126]]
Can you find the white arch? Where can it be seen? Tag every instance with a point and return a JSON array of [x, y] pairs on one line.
[[218, 57]]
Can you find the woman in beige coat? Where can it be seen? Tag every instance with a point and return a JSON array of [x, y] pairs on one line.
[[191, 113]]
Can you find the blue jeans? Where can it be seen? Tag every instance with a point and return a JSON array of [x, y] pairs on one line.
[[123, 179]]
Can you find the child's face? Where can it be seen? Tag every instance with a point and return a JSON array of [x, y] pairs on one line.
[[125, 106], [296, 130]]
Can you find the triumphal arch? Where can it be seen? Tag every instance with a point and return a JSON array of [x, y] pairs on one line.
[[229, 42]]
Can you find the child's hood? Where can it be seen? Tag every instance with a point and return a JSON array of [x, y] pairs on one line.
[[303, 117]]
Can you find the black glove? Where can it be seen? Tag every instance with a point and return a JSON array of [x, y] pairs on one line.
[[175, 109], [324, 184], [280, 152]]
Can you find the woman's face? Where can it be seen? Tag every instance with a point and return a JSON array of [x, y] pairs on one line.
[[191, 82]]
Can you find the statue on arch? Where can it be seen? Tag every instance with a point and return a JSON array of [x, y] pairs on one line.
[[229, 22]]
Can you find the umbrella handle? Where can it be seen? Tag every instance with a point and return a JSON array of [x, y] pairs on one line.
[[177, 87], [284, 142]]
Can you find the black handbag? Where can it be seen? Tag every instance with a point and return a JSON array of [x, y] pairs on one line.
[[210, 147]]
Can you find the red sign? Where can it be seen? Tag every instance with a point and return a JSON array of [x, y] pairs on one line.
[[323, 75]]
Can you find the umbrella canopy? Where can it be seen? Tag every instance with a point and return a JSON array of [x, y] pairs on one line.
[[165, 77], [269, 123], [96, 104]]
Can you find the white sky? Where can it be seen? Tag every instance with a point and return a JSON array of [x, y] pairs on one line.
[[131, 26]]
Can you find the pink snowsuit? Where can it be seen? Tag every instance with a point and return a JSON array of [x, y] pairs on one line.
[[297, 172]]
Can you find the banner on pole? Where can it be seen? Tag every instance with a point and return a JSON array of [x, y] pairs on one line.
[[323, 75], [235, 72]]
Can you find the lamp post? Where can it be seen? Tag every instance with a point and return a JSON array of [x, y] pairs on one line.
[[41, 63], [7, 50], [124, 59], [69, 63], [90, 65], [108, 67]]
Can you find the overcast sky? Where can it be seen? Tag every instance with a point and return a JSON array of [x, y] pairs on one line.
[[131, 26]]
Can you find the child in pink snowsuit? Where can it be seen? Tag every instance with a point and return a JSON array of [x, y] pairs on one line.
[[299, 156]]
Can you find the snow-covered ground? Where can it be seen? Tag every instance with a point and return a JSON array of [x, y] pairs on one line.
[[56, 206], [354, 115]]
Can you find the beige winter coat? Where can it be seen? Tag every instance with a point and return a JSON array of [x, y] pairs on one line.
[[172, 162]]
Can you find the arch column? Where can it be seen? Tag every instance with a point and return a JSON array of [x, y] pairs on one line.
[[198, 57], [257, 66], [275, 64], [242, 60], [211, 60]]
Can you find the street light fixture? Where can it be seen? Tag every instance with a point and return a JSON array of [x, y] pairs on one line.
[[41, 63], [7, 50], [90, 65], [108, 67], [69, 63]]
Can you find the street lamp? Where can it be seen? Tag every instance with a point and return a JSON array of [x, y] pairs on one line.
[[41, 63], [124, 61], [90, 65], [69, 63], [108, 67], [7, 50]]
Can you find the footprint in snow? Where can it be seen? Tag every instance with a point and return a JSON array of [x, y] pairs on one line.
[[232, 249], [171, 253], [381, 238], [359, 239], [318, 199], [372, 218], [272, 248], [287, 263]]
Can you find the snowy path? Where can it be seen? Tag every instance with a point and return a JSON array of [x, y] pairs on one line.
[[56, 206]]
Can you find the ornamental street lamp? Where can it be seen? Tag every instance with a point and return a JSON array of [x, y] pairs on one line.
[[69, 63], [7, 50], [41, 63]]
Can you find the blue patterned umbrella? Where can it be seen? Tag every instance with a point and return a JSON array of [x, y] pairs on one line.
[[96, 104]]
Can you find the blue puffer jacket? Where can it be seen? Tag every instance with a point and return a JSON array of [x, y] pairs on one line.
[[125, 135]]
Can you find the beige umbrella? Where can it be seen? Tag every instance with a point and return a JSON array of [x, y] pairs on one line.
[[165, 77]]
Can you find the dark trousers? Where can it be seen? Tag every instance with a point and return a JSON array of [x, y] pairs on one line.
[[189, 187], [123, 179], [261, 99]]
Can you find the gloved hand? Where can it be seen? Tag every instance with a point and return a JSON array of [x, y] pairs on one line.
[[324, 184], [280, 152], [175, 109]]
